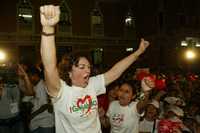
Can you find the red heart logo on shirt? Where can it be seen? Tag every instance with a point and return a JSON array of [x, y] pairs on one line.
[[84, 101]]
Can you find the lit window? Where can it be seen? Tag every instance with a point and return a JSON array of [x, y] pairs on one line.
[[65, 23], [98, 56], [24, 16], [197, 44], [129, 49], [184, 43], [130, 19], [97, 25]]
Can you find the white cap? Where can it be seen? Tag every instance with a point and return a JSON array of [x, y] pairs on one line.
[[174, 100], [176, 110], [155, 103]]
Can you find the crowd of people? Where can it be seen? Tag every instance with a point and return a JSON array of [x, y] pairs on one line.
[[64, 98]]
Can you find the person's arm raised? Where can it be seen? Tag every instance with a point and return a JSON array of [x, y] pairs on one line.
[[49, 17], [147, 85], [24, 82], [116, 71]]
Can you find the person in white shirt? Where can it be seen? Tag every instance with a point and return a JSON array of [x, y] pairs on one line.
[[11, 120], [149, 123], [123, 114], [42, 119], [75, 104]]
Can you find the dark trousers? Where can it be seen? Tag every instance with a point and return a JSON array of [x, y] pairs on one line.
[[12, 125]]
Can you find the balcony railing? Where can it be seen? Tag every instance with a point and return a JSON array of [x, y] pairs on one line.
[[25, 39]]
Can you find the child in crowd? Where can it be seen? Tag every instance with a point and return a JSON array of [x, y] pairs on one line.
[[149, 123], [105, 99], [123, 114]]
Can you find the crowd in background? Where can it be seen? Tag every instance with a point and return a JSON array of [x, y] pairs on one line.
[[173, 103], [68, 97]]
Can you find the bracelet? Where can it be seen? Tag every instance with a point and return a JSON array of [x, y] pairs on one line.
[[48, 34]]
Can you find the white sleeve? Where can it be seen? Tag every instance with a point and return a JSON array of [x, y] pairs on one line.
[[98, 83]]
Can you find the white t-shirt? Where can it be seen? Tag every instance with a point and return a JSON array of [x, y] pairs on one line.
[[9, 102], [123, 119], [76, 108], [147, 126], [44, 119]]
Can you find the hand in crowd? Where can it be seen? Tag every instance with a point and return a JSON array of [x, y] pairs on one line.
[[143, 45], [147, 84], [20, 71], [49, 15]]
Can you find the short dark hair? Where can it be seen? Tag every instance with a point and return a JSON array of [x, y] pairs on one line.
[[34, 71], [73, 61], [131, 83]]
